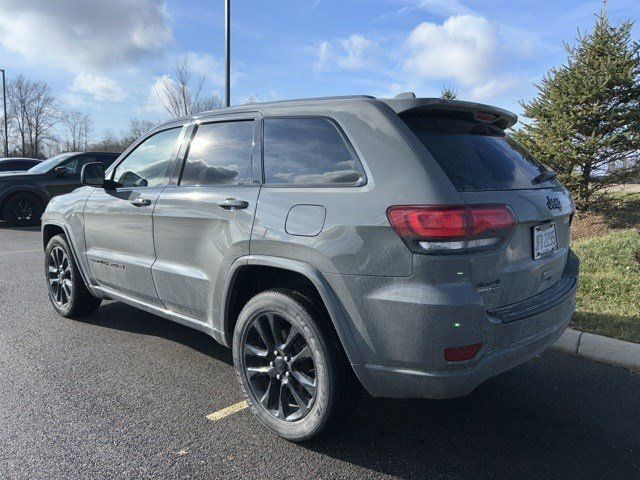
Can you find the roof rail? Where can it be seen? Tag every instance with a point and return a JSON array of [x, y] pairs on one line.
[[313, 99]]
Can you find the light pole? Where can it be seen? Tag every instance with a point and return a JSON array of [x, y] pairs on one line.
[[4, 104], [227, 36]]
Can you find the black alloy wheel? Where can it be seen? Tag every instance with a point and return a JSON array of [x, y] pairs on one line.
[[22, 209], [279, 366]]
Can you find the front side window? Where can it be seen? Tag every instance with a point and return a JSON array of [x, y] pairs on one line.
[[308, 151], [147, 165], [220, 154]]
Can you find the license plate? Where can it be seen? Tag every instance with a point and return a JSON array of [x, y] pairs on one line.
[[544, 240]]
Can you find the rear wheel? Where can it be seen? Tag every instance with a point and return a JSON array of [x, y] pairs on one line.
[[22, 209], [67, 291], [289, 364]]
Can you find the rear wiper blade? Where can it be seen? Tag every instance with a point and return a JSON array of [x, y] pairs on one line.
[[544, 176]]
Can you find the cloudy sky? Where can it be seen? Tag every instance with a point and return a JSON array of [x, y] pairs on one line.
[[103, 57]]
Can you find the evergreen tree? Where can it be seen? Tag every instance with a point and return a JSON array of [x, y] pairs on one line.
[[449, 93], [586, 115]]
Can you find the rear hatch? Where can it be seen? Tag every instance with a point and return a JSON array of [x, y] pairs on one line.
[[488, 167]]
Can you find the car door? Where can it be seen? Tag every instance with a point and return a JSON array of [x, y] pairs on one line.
[[60, 183], [118, 221], [202, 222]]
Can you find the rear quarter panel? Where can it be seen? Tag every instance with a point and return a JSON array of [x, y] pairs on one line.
[[356, 237]]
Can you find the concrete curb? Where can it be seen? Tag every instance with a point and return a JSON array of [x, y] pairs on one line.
[[599, 348]]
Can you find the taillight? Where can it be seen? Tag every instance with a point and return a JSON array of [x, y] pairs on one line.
[[438, 229]]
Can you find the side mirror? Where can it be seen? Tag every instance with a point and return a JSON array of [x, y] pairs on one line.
[[61, 170], [92, 175]]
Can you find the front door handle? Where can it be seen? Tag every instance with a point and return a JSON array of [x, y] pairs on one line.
[[233, 204], [141, 202]]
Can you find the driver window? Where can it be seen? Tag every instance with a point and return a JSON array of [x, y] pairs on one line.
[[72, 166], [147, 165]]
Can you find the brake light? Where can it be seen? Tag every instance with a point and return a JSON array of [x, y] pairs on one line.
[[486, 117], [437, 229]]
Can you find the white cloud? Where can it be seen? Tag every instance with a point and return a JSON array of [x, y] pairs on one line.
[[443, 7], [80, 34], [206, 65], [464, 48], [494, 88], [436, 7], [356, 52], [97, 86]]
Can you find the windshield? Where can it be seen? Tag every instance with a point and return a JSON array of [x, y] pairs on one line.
[[478, 157], [50, 163]]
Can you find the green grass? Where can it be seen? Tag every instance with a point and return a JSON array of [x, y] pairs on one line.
[[609, 292]]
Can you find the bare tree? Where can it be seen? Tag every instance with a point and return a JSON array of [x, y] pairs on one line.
[[252, 98], [109, 143], [112, 142], [77, 130], [35, 112], [179, 92], [137, 128]]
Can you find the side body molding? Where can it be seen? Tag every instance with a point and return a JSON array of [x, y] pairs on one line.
[[335, 308]]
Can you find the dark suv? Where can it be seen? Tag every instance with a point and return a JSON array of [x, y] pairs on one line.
[[408, 245], [17, 164], [25, 194]]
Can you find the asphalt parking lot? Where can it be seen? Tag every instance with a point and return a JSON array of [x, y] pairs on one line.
[[126, 394]]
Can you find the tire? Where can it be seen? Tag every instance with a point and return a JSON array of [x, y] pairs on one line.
[[22, 210], [66, 288], [319, 376]]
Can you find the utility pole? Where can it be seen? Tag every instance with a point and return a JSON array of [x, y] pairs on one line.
[[227, 34], [4, 104]]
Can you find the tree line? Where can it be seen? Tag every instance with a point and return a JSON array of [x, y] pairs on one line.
[[584, 121], [40, 126]]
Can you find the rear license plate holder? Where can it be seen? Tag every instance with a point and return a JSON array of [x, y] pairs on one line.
[[545, 240]]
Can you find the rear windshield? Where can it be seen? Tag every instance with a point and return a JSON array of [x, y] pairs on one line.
[[477, 157]]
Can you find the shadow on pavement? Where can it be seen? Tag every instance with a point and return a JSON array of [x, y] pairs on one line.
[[557, 416], [123, 317], [6, 226]]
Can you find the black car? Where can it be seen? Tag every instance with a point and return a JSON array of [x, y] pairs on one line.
[[25, 194], [17, 164]]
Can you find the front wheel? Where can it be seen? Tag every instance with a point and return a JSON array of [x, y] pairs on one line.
[[22, 209], [289, 364], [67, 291]]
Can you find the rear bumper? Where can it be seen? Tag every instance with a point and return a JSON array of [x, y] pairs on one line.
[[410, 363], [404, 383]]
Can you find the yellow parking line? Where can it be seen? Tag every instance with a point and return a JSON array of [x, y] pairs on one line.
[[225, 412], [20, 251]]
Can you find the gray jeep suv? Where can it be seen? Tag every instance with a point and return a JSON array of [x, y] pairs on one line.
[[406, 245]]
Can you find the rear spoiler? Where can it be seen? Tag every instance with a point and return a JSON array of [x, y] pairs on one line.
[[484, 113]]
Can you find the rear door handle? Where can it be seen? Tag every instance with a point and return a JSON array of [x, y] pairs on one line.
[[233, 204], [141, 202]]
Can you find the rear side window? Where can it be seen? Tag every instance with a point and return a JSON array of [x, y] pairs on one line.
[[12, 165], [219, 154], [308, 151], [477, 157]]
